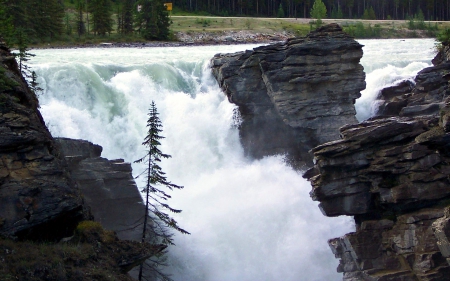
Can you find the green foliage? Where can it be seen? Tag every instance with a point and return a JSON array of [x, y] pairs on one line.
[[369, 14], [34, 85], [127, 16], [358, 30], [444, 36], [41, 20], [80, 26], [6, 24], [156, 207], [417, 21], [92, 231], [203, 22], [152, 21], [337, 13], [280, 12], [67, 24], [101, 16], [318, 11], [21, 41], [156, 179]]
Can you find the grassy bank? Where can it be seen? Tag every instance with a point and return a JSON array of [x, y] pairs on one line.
[[212, 25]]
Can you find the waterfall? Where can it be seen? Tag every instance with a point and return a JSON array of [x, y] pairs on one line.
[[249, 219], [387, 62]]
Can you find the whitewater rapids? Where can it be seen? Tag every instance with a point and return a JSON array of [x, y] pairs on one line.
[[251, 220]]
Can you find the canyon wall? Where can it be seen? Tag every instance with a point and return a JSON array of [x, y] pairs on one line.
[[108, 187], [36, 191], [48, 186], [392, 173]]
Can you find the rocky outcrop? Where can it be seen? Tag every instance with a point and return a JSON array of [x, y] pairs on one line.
[[392, 173], [425, 96], [36, 192], [293, 95], [108, 187]]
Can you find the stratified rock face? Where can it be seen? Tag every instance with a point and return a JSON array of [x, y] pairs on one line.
[[382, 165], [294, 95], [425, 96], [108, 187], [35, 190], [393, 175]]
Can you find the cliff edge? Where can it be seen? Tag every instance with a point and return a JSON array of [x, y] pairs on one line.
[[47, 188], [392, 173], [36, 191]]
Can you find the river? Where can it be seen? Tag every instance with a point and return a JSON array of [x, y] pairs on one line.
[[251, 220]]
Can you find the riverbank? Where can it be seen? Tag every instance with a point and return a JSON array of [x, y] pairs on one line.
[[198, 31], [183, 39]]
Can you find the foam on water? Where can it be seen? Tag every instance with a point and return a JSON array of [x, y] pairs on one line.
[[387, 62], [249, 219]]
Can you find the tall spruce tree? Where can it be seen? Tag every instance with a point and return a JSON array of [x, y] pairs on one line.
[[152, 20], [6, 25], [318, 11], [101, 16], [80, 7], [156, 208], [21, 41], [127, 16]]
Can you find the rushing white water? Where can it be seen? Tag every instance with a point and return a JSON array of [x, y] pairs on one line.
[[250, 220], [387, 62]]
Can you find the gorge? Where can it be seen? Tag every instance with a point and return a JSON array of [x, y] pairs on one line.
[[244, 214], [388, 172]]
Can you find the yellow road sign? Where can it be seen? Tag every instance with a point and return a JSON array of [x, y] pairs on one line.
[[168, 6]]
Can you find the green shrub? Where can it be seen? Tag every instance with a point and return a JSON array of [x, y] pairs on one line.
[[444, 36], [91, 231]]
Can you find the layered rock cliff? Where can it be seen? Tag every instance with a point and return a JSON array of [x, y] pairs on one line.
[[293, 95], [47, 188], [36, 191], [392, 173], [108, 187]]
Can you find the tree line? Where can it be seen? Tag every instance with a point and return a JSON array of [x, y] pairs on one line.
[[46, 20], [348, 9]]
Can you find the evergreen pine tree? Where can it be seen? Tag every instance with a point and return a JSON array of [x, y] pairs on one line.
[[156, 208], [101, 16], [81, 28], [21, 41], [34, 85], [152, 21], [372, 15], [6, 25], [163, 21], [127, 16], [280, 12], [318, 11]]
